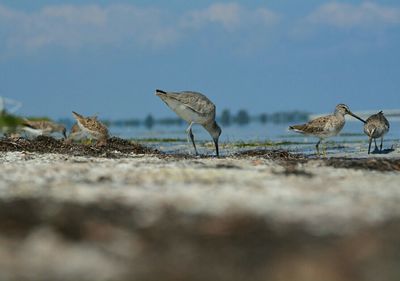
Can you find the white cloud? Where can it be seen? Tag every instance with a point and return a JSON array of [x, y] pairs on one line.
[[227, 15], [347, 15], [73, 27], [230, 16], [78, 26]]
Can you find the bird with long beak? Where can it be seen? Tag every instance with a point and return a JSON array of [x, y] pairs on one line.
[[194, 108], [93, 127], [43, 128], [376, 126], [326, 126]]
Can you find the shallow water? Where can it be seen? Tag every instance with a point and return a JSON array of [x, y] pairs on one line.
[[235, 138]]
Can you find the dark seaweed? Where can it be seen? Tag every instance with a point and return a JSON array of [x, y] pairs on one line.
[[114, 148]]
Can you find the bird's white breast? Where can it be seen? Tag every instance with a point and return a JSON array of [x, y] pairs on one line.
[[33, 132]]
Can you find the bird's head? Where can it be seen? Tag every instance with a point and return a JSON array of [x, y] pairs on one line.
[[343, 109]]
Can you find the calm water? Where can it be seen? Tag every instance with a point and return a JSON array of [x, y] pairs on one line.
[[252, 132], [351, 138]]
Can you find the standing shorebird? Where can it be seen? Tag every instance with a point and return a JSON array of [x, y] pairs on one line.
[[194, 108], [43, 128], [376, 126], [92, 127], [326, 126]]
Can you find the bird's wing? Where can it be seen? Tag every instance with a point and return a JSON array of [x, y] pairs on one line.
[[94, 125], [195, 101], [42, 125], [386, 122], [314, 126]]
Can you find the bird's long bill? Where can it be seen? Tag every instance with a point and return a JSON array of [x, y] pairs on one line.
[[355, 116], [216, 147]]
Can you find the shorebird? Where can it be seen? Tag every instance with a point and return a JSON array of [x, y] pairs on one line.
[[92, 127], [326, 126], [376, 126], [194, 108], [43, 128], [76, 133]]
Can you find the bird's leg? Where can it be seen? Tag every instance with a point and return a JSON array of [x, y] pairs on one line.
[[381, 143], [317, 146], [369, 146], [324, 150], [376, 147], [190, 133]]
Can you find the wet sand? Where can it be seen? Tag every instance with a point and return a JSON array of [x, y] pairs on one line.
[[125, 212]]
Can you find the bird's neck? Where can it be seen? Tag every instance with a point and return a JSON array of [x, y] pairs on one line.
[[211, 127], [339, 114]]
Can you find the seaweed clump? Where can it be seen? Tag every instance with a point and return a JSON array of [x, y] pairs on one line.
[[114, 148], [272, 154], [376, 164]]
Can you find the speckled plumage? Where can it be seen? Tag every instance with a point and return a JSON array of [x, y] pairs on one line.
[[42, 127], [322, 127], [75, 128], [376, 126], [194, 108], [92, 127], [325, 126], [76, 133]]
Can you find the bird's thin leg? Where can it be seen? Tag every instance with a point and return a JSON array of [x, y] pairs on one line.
[[381, 143], [192, 138], [376, 147], [317, 146], [190, 134], [369, 146], [188, 131], [325, 147]]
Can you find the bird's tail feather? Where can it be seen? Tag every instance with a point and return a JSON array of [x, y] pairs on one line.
[[158, 91], [297, 128]]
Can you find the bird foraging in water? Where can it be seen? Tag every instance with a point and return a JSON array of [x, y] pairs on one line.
[[376, 126], [43, 128], [326, 126], [194, 108], [92, 127]]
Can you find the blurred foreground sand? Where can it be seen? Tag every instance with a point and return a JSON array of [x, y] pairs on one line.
[[158, 218]]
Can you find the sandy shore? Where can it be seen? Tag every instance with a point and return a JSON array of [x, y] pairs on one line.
[[324, 198], [152, 217], [127, 212]]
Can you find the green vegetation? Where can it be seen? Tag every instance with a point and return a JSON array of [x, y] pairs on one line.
[[242, 118], [268, 143], [9, 123], [158, 140]]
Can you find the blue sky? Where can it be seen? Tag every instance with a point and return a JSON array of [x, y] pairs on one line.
[[108, 57]]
